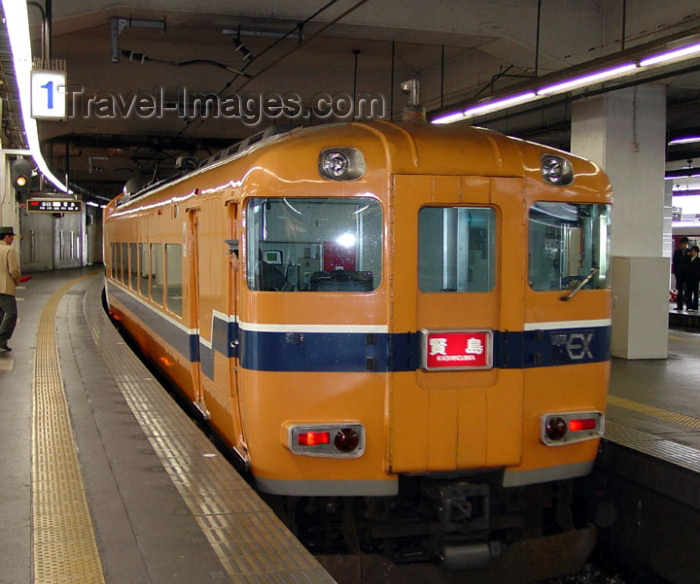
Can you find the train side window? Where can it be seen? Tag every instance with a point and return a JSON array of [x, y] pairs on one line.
[[456, 249], [173, 266], [144, 268], [157, 275], [133, 267], [314, 244], [567, 242], [116, 262], [125, 264]]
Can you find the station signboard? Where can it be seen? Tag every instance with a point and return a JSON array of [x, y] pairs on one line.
[[54, 206], [48, 94]]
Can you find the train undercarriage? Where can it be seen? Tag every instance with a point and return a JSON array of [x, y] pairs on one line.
[[445, 529]]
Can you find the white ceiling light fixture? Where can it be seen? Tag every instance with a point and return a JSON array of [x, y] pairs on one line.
[[449, 118], [487, 107], [686, 140], [673, 55], [561, 83], [585, 80], [500, 104], [17, 24]]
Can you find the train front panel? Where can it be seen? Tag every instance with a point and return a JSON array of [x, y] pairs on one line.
[[412, 315]]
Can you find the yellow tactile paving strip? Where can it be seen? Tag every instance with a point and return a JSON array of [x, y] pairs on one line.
[[660, 413], [64, 543]]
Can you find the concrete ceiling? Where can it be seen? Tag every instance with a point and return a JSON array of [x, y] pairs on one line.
[[139, 53]]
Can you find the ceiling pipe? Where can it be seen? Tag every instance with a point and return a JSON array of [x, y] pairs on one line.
[[356, 53], [45, 30], [412, 112], [537, 40], [624, 25], [391, 86], [442, 76]]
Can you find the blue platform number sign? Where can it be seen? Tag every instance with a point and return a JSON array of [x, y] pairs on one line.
[[48, 94]]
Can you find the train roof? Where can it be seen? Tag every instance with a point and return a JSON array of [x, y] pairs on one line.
[[410, 146]]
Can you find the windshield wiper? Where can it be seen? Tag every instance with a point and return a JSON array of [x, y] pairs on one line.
[[580, 285]]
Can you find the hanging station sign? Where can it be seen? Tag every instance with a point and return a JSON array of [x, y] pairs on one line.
[[48, 95], [54, 206]]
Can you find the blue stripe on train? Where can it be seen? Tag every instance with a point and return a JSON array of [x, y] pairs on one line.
[[401, 351], [289, 351], [363, 352], [187, 344]]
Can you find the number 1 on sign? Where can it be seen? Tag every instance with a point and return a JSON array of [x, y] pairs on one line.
[[49, 89], [48, 94]]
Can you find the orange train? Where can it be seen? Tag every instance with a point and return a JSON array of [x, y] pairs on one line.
[[414, 318]]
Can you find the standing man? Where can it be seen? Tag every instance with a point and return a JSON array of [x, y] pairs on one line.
[[680, 270], [9, 278], [693, 280]]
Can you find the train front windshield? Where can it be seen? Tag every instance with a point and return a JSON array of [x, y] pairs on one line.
[[568, 242], [314, 244]]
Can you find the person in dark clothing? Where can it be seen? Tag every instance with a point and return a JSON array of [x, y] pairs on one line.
[[693, 279], [680, 269]]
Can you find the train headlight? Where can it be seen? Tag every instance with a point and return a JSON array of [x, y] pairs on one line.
[[566, 428], [341, 164], [326, 440], [556, 170]]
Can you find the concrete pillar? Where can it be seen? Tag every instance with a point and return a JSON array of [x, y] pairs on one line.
[[625, 132]]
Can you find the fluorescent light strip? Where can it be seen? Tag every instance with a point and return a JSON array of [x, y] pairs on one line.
[[687, 140], [586, 79], [608, 74], [449, 118], [686, 191], [671, 55], [499, 104], [17, 23]]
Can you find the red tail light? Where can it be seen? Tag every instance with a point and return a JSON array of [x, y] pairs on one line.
[[565, 428], [327, 440], [582, 424], [313, 438]]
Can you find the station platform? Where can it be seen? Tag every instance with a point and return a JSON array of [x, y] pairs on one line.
[[659, 397], [684, 319], [105, 479], [648, 471]]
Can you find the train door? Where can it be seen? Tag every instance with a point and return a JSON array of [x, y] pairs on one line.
[[193, 255], [233, 290], [458, 286]]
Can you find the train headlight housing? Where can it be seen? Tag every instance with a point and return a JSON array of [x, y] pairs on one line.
[[325, 440], [341, 164], [567, 428], [556, 170]]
